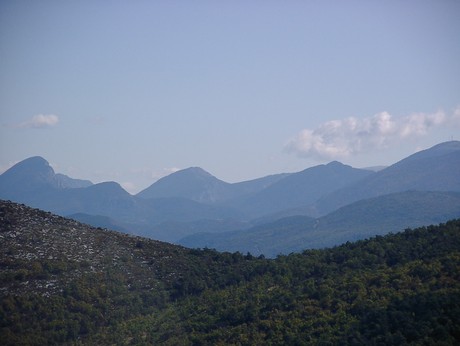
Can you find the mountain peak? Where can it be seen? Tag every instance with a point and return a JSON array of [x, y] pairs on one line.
[[109, 187], [197, 171], [335, 164], [193, 183], [35, 174], [30, 174], [32, 163]]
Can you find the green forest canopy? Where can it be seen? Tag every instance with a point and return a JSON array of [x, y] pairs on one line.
[[389, 290]]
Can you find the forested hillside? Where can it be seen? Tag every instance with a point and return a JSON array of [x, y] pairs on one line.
[[64, 282]]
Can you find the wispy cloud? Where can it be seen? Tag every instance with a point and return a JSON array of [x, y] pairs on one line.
[[39, 121], [342, 138]]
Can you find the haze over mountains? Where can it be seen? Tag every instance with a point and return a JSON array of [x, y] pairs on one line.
[[198, 185], [434, 169], [329, 203], [359, 220]]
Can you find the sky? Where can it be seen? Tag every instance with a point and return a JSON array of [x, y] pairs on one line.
[[130, 91]]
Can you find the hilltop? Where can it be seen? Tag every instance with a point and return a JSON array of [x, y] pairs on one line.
[[63, 282], [194, 208]]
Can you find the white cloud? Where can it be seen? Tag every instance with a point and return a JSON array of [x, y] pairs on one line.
[[40, 121], [455, 119], [341, 138]]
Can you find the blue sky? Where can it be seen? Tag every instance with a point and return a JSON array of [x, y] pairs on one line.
[[132, 90]]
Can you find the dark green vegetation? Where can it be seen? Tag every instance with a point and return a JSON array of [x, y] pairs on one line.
[[64, 282]]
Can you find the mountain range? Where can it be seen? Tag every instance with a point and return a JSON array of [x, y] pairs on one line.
[[356, 221], [434, 169], [291, 211]]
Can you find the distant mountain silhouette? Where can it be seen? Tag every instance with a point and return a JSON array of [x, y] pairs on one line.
[[29, 180], [66, 182], [35, 173], [434, 169], [250, 187], [258, 197], [300, 189], [359, 220], [198, 185], [192, 201], [193, 183], [34, 182], [32, 174], [108, 199], [375, 168]]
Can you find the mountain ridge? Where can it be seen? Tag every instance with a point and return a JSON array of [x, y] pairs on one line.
[[195, 198], [433, 169], [300, 189], [358, 220], [201, 186]]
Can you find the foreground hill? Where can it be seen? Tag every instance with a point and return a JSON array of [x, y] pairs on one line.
[[66, 283], [359, 220]]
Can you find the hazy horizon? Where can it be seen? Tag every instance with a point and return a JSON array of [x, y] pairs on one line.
[[130, 92]]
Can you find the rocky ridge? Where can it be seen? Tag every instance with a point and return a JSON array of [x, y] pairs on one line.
[[55, 250]]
